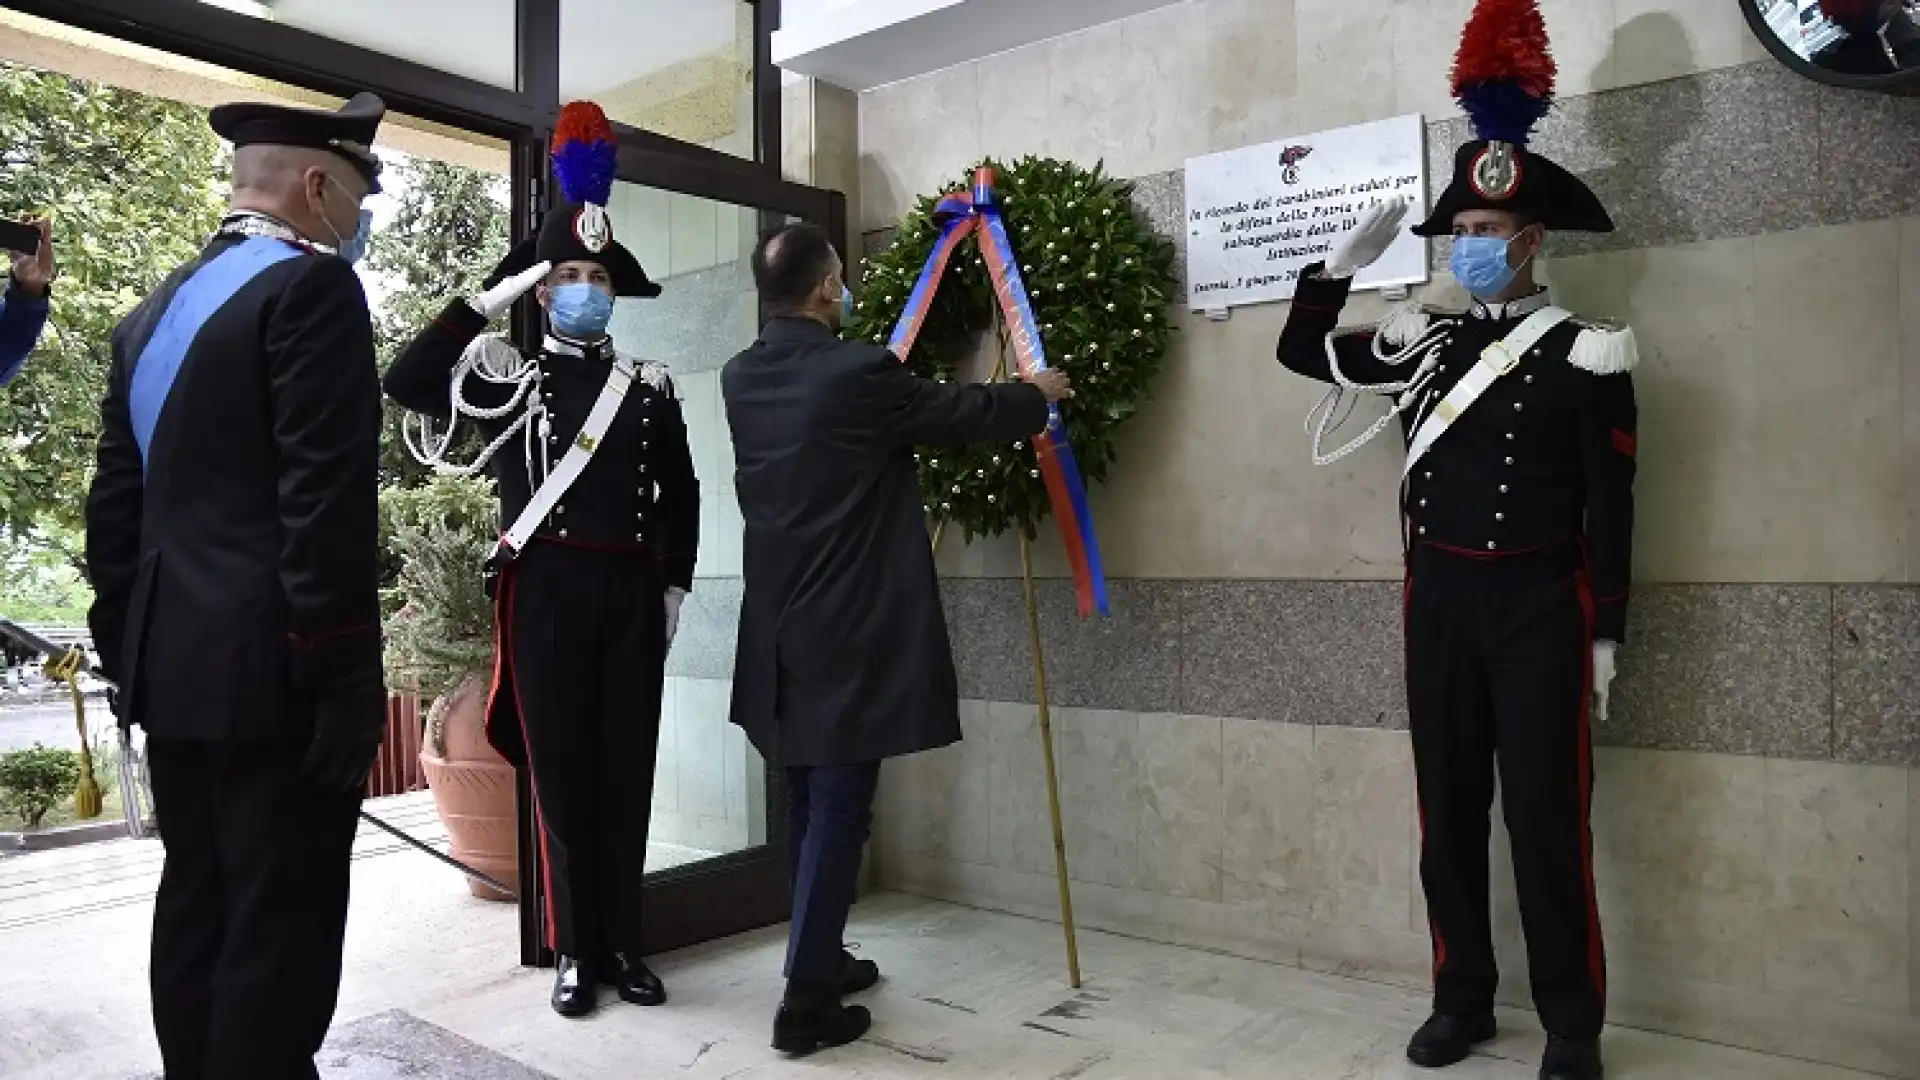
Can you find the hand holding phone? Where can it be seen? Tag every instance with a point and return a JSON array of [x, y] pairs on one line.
[[32, 245]]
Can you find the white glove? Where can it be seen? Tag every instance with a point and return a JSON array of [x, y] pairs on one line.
[[1379, 227], [1602, 677], [673, 601], [501, 297]]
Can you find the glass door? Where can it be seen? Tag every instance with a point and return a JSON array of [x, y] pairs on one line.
[[716, 860]]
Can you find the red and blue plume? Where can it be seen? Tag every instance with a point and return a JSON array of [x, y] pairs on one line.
[[585, 154], [1503, 74]]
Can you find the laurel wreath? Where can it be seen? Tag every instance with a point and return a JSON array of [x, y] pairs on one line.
[[1100, 281]]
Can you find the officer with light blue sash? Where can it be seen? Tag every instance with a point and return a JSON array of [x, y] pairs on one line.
[[231, 542]]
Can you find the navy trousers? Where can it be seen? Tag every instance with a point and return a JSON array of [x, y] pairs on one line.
[[251, 914], [829, 815], [1499, 673]]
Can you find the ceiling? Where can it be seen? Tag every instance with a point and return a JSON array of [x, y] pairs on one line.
[[862, 44]]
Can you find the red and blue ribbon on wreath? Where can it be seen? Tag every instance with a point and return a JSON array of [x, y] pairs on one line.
[[959, 215]]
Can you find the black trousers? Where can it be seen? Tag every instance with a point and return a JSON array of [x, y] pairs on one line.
[[1499, 672], [588, 641], [251, 912], [829, 816]]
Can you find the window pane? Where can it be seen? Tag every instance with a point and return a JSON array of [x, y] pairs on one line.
[[474, 38], [709, 792], [680, 68]]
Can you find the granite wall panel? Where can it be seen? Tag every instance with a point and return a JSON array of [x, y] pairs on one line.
[[1810, 673]]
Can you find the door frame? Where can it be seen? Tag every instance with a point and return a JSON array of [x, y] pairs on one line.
[[688, 904]]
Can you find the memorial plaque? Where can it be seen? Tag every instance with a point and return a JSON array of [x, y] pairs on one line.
[[1257, 215]]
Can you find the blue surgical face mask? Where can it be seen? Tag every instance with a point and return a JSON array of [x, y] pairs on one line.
[[1479, 263], [846, 302], [580, 311], [354, 247]]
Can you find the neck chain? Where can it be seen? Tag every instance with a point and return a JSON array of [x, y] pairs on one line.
[[254, 223]]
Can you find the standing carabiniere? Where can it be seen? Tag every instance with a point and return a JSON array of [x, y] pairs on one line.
[[600, 515], [1517, 506], [232, 544]]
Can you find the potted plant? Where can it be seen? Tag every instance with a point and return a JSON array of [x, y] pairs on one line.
[[439, 646]]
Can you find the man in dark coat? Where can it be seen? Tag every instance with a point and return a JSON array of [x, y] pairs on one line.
[[587, 606], [843, 656], [232, 545]]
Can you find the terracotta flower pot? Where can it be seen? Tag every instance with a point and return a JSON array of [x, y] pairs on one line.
[[472, 787]]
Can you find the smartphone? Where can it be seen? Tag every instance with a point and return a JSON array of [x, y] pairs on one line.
[[20, 236]]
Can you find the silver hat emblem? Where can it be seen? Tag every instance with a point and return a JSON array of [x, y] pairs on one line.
[[592, 229]]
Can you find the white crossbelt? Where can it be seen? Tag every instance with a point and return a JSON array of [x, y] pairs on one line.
[[572, 463], [1497, 359]]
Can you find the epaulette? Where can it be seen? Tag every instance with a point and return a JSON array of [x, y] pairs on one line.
[[651, 372], [1604, 347]]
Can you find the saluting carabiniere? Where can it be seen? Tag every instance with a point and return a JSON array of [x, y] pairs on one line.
[[1517, 509], [600, 511]]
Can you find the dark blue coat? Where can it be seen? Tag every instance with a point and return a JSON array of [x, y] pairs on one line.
[[843, 653]]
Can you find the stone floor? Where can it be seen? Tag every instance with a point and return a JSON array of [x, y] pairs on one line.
[[432, 993]]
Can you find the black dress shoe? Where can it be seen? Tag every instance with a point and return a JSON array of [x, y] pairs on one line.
[[812, 1018], [574, 992], [634, 981], [858, 975], [1446, 1039], [1571, 1059]]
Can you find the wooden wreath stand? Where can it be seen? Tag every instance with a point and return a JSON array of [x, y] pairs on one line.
[[1040, 696]]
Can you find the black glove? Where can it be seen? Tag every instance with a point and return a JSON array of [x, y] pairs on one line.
[[347, 730]]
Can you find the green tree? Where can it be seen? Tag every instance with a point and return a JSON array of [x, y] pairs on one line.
[[42, 583], [449, 229], [134, 186]]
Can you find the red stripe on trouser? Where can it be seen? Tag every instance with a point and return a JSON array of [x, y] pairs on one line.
[[1596, 949], [1420, 806], [502, 672]]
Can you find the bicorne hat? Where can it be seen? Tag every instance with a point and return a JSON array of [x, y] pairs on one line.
[[585, 155], [1503, 77]]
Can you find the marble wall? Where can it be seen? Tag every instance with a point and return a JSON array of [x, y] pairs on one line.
[[1232, 744], [1779, 330], [1758, 902]]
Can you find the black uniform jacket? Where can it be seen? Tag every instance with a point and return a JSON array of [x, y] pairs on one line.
[[843, 653], [232, 534], [638, 492], [1545, 457]]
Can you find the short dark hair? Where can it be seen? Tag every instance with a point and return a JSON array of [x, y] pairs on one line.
[[790, 263]]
